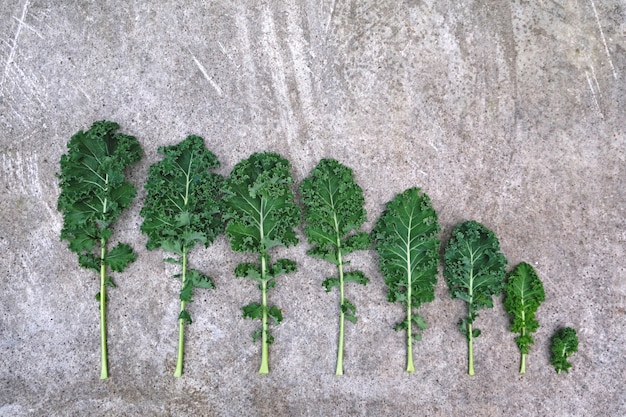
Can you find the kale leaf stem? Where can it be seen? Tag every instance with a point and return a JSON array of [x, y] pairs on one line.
[[104, 367], [339, 370], [181, 323], [470, 347], [409, 306], [264, 369]]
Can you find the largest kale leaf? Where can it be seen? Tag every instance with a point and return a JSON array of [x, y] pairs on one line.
[[261, 215], [181, 210], [474, 271], [333, 212], [93, 195], [407, 243]]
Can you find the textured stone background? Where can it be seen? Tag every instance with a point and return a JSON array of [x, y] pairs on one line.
[[508, 112]]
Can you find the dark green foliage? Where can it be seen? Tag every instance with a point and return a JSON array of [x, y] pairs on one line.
[[523, 295], [260, 207], [181, 207], [474, 271], [564, 345], [407, 243], [261, 214], [334, 212], [93, 195], [181, 210]]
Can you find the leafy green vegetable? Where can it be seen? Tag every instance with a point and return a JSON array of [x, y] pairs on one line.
[[474, 271], [523, 295], [261, 215], [93, 194], [407, 243], [181, 210], [333, 211], [564, 345]]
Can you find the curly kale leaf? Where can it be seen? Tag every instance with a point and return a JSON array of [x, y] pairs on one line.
[[564, 345], [474, 271], [182, 203], [261, 214], [260, 208], [333, 212], [407, 243], [93, 195], [523, 295], [93, 190], [182, 209]]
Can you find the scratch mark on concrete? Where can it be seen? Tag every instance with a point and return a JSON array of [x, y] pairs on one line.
[[27, 26], [277, 68], [21, 173], [331, 15], [13, 49], [29, 82], [248, 82], [301, 67], [225, 52], [595, 79], [84, 93], [593, 93], [17, 114], [206, 75], [606, 47]]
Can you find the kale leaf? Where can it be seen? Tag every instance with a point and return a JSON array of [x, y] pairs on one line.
[[333, 212], [93, 195], [261, 214], [564, 345], [181, 209], [407, 244], [474, 269], [523, 295]]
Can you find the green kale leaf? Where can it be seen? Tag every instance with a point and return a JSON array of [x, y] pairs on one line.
[[406, 240], [261, 214], [333, 212], [93, 195], [523, 295], [564, 345], [474, 271], [181, 210]]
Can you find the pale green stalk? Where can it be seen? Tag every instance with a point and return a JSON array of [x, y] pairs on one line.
[[522, 369], [470, 347], [409, 331], [409, 338], [104, 367], [181, 324], [339, 370], [264, 369], [470, 335]]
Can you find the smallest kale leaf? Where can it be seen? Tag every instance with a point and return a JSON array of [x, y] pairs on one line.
[[564, 345]]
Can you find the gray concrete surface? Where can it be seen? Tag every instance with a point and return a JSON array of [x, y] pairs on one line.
[[508, 112]]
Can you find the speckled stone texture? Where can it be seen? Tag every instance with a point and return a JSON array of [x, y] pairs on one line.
[[511, 113]]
